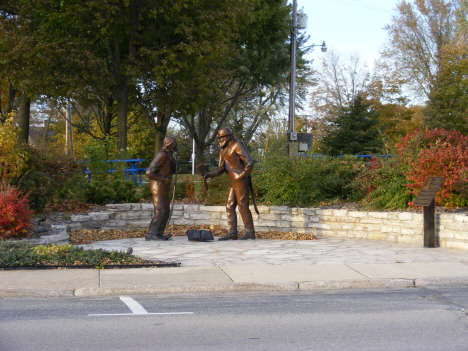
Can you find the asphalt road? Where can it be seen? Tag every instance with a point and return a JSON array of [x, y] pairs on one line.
[[404, 319]]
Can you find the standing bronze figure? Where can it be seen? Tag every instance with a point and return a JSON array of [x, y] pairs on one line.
[[160, 172], [236, 161]]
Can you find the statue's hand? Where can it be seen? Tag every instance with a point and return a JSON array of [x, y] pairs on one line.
[[166, 181], [238, 176], [207, 175]]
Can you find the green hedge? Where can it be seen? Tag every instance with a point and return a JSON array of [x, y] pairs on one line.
[[104, 192], [305, 180]]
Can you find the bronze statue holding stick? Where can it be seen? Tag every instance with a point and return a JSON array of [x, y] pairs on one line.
[[237, 162], [160, 171]]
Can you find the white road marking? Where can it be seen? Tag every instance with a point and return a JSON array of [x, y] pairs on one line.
[[136, 308]]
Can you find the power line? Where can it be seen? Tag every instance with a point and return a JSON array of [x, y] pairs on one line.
[[364, 5], [376, 7]]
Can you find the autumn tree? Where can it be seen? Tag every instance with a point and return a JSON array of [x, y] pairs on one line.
[[103, 49], [254, 79], [396, 116], [8, 94], [340, 79], [448, 103], [15, 87], [416, 36], [189, 77], [447, 107], [337, 82]]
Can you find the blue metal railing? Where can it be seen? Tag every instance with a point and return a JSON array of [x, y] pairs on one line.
[[343, 156], [136, 173]]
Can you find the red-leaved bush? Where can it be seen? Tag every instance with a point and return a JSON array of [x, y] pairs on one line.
[[437, 153], [15, 213]]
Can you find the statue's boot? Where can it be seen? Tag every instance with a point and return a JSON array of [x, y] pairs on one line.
[[230, 236], [248, 236], [159, 237]]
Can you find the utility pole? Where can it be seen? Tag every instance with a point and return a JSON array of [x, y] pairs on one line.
[[299, 21], [292, 135], [68, 129], [69, 110], [193, 156]]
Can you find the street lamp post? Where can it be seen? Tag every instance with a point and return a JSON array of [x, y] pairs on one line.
[[291, 133]]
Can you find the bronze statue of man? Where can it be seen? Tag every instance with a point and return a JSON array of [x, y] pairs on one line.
[[236, 161], [160, 172]]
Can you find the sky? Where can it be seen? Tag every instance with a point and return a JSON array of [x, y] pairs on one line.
[[348, 26]]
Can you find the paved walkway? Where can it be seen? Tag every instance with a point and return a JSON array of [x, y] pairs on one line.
[[260, 265], [281, 252]]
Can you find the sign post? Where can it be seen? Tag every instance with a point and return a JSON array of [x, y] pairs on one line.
[[426, 199]]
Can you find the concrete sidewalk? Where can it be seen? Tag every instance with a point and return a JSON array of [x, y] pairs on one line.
[[260, 265]]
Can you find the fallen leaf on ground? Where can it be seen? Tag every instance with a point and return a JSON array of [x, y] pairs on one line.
[[87, 236]]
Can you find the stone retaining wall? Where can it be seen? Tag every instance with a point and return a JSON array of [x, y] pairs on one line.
[[399, 227]]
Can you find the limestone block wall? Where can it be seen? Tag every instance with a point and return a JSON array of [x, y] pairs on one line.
[[399, 227]]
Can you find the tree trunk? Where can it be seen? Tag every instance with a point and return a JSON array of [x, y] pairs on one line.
[[11, 98], [9, 104], [199, 157], [122, 106], [24, 115], [160, 128], [46, 128], [108, 115], [159, 136], [70, 125]]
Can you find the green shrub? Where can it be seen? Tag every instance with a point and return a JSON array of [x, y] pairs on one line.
[[12, 159], [20, 254], [181, 187], [50, 177], [381, 185], [303, 181], [217, 190], [144, 192], [97, 153], [108, 182], [104, 192]]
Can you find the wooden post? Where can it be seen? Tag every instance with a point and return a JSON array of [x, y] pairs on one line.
[[429, 225], [426, 199]]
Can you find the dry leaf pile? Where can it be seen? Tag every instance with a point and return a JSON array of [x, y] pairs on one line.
[[88, 236]]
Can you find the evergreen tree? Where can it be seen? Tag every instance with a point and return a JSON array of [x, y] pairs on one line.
[[354, 131]]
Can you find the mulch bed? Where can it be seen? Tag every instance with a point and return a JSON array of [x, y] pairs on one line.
[[88, 236]]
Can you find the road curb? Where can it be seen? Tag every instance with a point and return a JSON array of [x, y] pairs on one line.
[[357, 284], [441, 281], [35, 293], [288, 286], [247, 287], [238, 287], [187, 288]]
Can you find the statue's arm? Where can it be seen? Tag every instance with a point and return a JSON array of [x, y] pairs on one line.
[[218, 171], [246, 158], [155, 165]]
